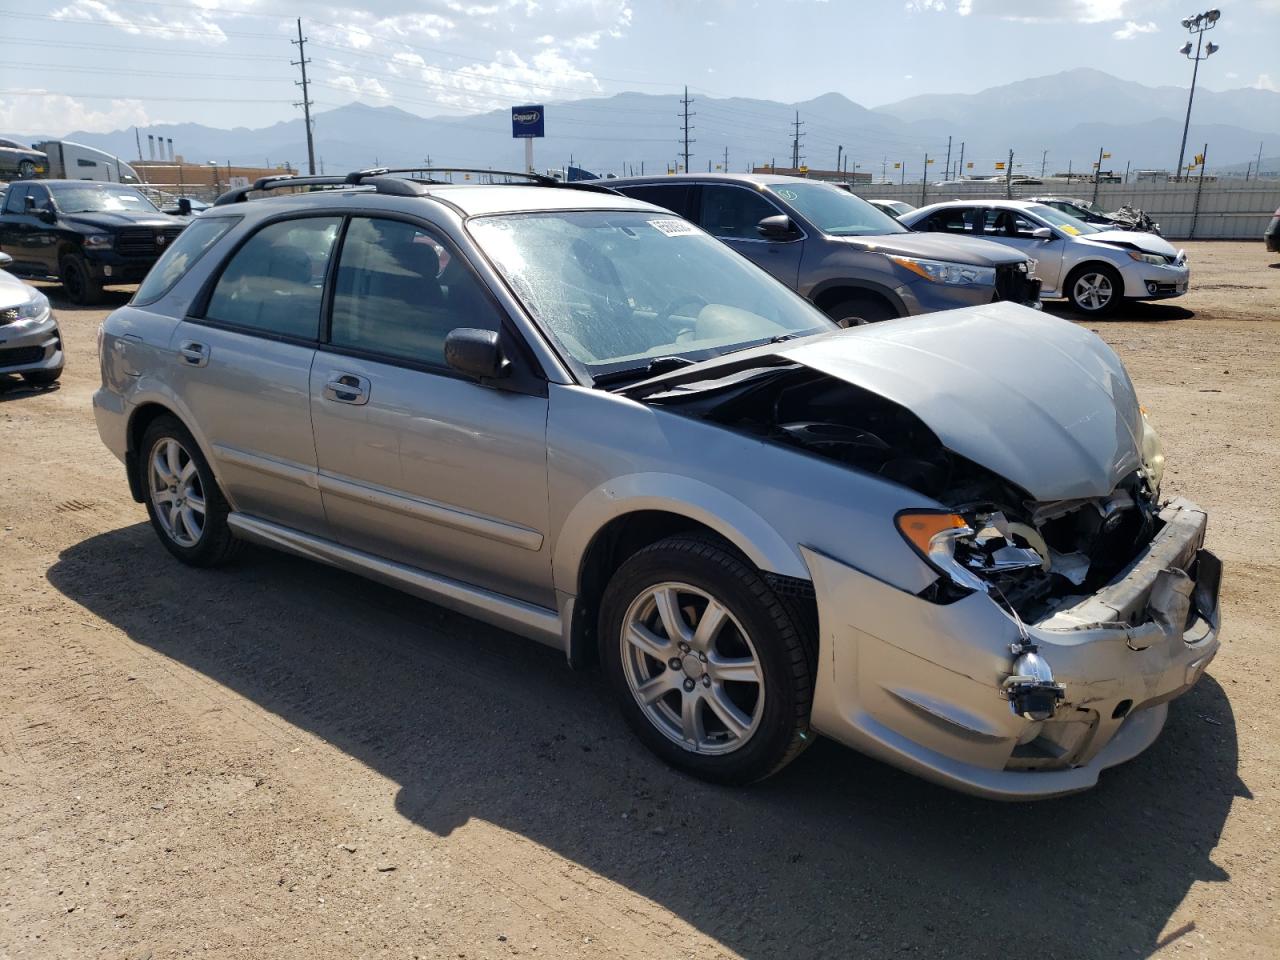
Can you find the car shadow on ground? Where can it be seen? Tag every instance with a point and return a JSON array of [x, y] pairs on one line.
[[1138, 311], [112, 297], [13, 387], [837, 855]]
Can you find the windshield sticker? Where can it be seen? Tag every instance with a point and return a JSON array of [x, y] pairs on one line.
[[1070, 229], [673, 228], [786, 194]]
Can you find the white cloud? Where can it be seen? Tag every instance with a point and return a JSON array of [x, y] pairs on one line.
[[925, 6], [1132, 28], [197, 23], [362, 88], [1264, 82], [58, 113], [1051, 11]]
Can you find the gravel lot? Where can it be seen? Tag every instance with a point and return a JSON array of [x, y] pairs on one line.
[[280, 760]]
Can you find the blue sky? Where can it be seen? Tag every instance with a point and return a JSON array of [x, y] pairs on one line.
[[107, 64]]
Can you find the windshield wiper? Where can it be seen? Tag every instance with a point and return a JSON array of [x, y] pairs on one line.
[[654, 367]]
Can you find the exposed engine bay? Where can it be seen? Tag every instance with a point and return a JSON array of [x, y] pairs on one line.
[[1031, 557]]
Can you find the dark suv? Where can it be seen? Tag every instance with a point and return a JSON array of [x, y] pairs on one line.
[[84, 233], [856, 263]]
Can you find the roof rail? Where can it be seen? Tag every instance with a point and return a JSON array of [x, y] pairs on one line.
[[386, 180]]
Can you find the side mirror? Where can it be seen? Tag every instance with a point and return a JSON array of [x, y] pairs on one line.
[[184, 207], [5, 259], [475, 353], [1041, 233], [778, 227]]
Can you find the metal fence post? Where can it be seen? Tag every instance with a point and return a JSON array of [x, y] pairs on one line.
[[1195, 210]]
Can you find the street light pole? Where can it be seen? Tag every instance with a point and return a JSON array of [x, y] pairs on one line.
[[1197, 25]]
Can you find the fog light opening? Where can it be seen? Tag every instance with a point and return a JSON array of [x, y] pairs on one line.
[[1122, 709], [1152, 287]]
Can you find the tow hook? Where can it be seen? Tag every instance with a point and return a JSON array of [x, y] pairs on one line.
[[1031, 690]]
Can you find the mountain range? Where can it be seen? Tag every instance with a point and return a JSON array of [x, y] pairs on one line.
[[1053, 121]]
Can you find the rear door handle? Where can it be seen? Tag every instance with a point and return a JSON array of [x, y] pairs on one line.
[[196, 354], [347, 388]]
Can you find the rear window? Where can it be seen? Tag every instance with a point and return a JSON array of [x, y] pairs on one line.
[[179, 258]]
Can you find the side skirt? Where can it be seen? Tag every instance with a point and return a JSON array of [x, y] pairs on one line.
[[526, 619]]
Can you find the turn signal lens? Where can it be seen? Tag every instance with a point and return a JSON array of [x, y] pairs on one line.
[[921, 528]]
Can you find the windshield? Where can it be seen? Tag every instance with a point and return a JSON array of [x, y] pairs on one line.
[[1063, 221], [620, 289], [835, 212], [100, 198]]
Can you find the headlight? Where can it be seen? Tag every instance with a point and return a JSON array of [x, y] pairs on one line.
[[1152, 454], [97, 241], [34, 309], [934, 536], [943, 271], [1153, 258]]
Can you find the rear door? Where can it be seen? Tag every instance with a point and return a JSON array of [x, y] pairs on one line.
[[243, 367], [730, 213], [416, 463]]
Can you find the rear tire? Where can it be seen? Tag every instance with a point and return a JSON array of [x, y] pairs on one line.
[[187, 510], [1095, 289], [859, 309], [42, 378], [26, 169], [729, 701], [80, 286]]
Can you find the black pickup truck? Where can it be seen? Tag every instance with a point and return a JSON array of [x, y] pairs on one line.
[[84, 233]]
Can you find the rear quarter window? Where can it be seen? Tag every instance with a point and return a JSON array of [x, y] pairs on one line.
[[181, 257]]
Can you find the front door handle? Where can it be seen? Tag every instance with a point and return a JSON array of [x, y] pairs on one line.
[[195, 354], [347, 388]]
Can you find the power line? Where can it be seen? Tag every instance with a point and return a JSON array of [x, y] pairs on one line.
[[302, 62]]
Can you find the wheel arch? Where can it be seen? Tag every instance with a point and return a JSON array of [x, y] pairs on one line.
[[830, 292], [144, 413]]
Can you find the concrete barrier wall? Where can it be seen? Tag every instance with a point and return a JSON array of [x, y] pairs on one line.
[[1224, 210]]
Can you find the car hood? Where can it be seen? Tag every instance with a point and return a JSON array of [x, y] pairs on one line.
[[111, 221], [12, 291], [1035, 399], [982, 253], [1133, 240]]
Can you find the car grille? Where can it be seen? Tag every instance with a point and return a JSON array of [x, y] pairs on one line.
[[1013, 283], [20, 356], [141, 241]]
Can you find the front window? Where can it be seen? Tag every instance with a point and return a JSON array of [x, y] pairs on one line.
[[1063, 221], [620, 289], [100, 198], [835, 212]]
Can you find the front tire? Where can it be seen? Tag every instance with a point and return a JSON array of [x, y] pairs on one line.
[[859, 309], [186, 508], [1095, 289], [709, 668], [80, 286]]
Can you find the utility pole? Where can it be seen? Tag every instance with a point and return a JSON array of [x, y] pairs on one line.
[[137, 136], [795, 144], [884, 168], [903, 167], [1126, 170], [948, 176], [839, 155], [924, 182], [1097, 174], [1195, 215], [1044, 162], [960, 165], [725, 168], [305, 104], [1008, 178], [1257, 169], [685, 101]]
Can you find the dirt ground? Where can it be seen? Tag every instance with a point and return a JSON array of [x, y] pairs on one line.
[[278, 760]]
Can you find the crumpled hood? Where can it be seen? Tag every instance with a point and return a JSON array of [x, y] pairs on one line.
[[112, 221], [1033, 398], [1134, 240], [982, 253]]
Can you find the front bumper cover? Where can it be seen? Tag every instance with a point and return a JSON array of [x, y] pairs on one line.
[[30, 348], [918, 684]]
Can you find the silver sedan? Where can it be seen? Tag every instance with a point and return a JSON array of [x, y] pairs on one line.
[[1092, 267], [30, 344]]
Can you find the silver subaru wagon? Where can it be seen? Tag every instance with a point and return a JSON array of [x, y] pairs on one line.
[[938, 540]]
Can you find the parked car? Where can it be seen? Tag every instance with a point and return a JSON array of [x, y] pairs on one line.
[[30, 342], [1272, 236], [855, 262], [21, 162], [939, 540], [1094, 269], [1125, 218], [894, 208], [84, 233]]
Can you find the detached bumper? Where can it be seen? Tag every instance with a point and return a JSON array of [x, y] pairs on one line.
[[919, 685]]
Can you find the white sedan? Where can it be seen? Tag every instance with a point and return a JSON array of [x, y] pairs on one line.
[[1093, 268]]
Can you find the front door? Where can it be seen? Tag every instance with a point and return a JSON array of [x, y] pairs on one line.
[[23, 234], [417, 464], [1013, 228], [244, 370], [731, 213]]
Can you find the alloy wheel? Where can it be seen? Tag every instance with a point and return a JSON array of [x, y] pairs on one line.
[[176, 492], [692, 668], [1093, 291]]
